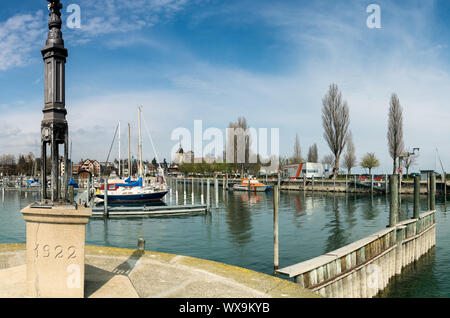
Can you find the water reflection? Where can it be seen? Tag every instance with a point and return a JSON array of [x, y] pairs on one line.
[[337, 236], [238, 217], [415, 280]]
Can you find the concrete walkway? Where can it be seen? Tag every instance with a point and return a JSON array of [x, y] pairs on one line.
[[117, 273]]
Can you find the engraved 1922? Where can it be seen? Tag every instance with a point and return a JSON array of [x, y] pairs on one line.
[[56, 252]]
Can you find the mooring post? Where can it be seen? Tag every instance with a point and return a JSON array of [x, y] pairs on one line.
[[141, 244], [176, 192], [433, 191], [371, 183], [428, 192], [346, 182], [416, 197], [192, 192], [223, 183], [312, 183], [334, 184], [201, 192], [445, 185], [89, 189], [304, 182], [184, 190], [216, 189], [278, 179], [207, 194], [393, 211], [386, 184], [275, 228], [71, 195], [105, 199]]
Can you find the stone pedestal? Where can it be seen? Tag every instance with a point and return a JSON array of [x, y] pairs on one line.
[[55, 250]]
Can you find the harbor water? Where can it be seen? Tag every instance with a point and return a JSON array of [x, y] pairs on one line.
[[240, 231]]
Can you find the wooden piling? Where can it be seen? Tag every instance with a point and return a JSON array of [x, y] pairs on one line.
[[433, 191], [208, 195], [201, 194], [184, 190], [386, 184], [275, 228], [428, 192], [71, 194], [105, 199], [371, 183], [216, 190], [416, 197], [89, 190], [279, 179], [176, 192], [393, 189]]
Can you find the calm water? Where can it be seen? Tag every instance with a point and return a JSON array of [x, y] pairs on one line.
[[240, 232]]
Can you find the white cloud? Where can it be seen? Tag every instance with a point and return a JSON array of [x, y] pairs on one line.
[[20, 35]]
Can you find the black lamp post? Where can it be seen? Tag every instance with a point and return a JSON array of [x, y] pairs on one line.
[[54, 127]]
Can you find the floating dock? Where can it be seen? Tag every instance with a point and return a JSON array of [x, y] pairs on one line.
[[124, 211]]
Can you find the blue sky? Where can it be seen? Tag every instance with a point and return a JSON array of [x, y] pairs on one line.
[[270, 61]]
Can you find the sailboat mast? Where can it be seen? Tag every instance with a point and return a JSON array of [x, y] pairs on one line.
[[129, 151], [119, 149], [140, 143], [70, 160]]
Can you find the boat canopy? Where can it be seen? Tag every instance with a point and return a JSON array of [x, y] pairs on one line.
[[73, 183], [137, 183]]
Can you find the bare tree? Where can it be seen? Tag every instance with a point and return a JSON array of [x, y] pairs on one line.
[[328, 160], [239, 142], [395, 130], [349, 159], [313, 154], [297, 156], [335, 121], [409, 161]]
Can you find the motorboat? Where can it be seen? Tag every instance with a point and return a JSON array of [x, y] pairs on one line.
[[251, 185]]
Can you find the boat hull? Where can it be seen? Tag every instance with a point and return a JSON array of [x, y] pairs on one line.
[[252, 188], [142, 197]]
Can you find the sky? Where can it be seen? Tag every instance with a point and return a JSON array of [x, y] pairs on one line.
[[269, 61]]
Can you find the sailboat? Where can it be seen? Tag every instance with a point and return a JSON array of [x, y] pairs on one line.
[[137, 191]]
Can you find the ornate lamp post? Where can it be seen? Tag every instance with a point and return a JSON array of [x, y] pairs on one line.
[[56, 230], [54, 128]]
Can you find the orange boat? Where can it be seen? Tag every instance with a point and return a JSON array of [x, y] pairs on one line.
[[255, 185]]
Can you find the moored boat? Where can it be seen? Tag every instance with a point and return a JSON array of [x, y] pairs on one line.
[[131, 192], [254, 185]]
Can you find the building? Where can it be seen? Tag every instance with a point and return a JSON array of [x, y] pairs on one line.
[[308, 169], [93, 166], [183, 157]]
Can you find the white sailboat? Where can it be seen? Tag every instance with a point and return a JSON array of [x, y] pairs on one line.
[[137, 191]]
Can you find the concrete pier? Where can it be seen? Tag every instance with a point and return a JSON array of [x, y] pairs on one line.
[[124, 273]]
